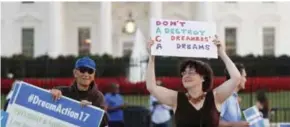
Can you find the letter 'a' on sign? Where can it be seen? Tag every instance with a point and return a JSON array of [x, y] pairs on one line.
[[182, 38], [158, 46], [32, 106]]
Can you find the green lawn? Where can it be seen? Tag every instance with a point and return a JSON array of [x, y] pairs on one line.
[[277, 99]]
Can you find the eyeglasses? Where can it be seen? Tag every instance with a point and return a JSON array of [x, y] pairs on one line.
[[86, 69], [191, 72]]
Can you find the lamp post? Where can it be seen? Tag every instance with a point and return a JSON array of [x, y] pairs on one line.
[[130, 25]]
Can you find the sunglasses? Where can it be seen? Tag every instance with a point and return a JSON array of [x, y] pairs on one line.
[[86, 69]]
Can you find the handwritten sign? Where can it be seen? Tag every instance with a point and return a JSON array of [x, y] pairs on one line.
[[33, 106], [4, 117], [183, 38], [254, 117]]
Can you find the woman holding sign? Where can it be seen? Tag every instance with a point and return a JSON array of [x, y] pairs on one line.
[[200, 105]]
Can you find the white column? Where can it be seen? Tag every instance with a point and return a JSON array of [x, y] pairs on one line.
[[282, 38], [56, 42], [205, 11], [200, 9], [155, 12], [209, 11], [106, 28]]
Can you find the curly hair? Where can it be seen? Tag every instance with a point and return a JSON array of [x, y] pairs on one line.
[[201, 68]]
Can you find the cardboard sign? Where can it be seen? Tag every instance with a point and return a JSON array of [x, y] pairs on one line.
[[183, 38], [32, 106]]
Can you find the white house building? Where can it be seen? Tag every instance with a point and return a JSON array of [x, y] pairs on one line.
[[75, 28]]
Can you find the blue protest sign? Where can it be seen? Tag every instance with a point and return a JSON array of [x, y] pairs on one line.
[[4, 117], [258, 123], [284, 125], [254, 117], [14, 88], [38, 104]]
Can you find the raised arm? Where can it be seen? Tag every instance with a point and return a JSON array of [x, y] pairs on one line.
[[227, 88], [162, 94]]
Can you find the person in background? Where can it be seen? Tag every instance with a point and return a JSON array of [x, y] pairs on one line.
[[160, 113], [230, 112], [83, 88], [115, 106], [263, 106]]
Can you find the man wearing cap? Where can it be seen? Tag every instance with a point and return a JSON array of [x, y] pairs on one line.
[[83, 88]]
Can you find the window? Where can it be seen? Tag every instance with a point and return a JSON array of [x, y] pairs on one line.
[[27, 41], [269, 40], [127, 48], [84, 37], [231, 40]]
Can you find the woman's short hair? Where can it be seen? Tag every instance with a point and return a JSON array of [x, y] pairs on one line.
[[201, 68]]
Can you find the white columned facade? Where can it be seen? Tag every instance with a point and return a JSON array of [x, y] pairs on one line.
[[106, 28], [56, 42]]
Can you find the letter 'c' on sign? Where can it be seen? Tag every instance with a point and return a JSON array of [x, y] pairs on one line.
[[157, 38]]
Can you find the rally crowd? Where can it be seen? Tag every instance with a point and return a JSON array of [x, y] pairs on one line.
[[199, 106]]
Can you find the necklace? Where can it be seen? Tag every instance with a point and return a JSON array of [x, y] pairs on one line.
[[197, 99]]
